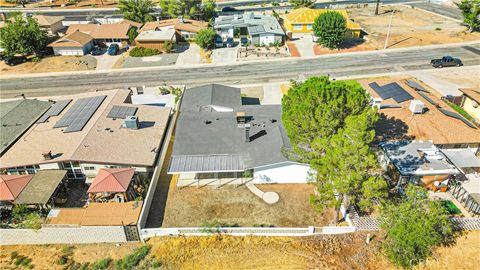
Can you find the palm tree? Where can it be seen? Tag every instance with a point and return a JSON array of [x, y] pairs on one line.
[[136, 10]]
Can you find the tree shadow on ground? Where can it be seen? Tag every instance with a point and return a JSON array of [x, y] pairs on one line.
[[391, 128]]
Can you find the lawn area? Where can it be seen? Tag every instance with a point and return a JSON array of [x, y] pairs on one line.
[[194, 207], [52, 64]]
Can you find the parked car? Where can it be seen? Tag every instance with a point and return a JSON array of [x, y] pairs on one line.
[[228, 9], [446, 61], [244, 41], [96, 50], [113, 49], [15, 60], [230, 42], [218, 42]]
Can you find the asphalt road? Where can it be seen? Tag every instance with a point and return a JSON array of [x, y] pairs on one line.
[[451, 12], [244, 73]]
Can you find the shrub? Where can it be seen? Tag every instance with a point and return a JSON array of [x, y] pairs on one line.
[[129, 262], [330, 28], [13, 255], [205, 38], [33, 221], [450, 207], [142, 52], [132, 34], [101, 264], [168, 46], [62, 260]]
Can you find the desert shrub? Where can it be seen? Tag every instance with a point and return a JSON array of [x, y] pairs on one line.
[[13, 255], [130, 261], [168, 46], [62, 260], [142, 52], [101, 264]]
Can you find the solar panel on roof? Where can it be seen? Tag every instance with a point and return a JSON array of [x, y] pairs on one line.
[[428, 99], [396, 92], [121, 111], [457, 116], [77, 117], [415, 86], [54, 110], [379, 90]]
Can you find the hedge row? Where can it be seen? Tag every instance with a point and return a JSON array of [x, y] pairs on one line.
[[142, 52]]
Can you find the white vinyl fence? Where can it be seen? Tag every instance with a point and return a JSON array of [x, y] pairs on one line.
[[244, 231]]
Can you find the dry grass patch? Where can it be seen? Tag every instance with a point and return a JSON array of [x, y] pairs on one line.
[[52, 64]]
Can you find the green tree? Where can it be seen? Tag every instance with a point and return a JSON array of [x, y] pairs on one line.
[[414, 225], [187, 9], [471, 13], [208, 10], [330, 28], [302, 3], [330, 125], [132, 34], [168, 46], [22, 36], [136, 10], [205, 38]]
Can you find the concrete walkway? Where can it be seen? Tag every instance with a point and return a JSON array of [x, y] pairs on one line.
[[268, 197], [189, 56]]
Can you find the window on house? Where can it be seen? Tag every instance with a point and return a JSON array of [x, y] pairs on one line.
[[297, 26], [309, 26], [89, 168]]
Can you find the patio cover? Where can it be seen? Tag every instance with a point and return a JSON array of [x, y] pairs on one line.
[[462, 158], [112, 180], [41, 187], [12, 185], [206, 164]]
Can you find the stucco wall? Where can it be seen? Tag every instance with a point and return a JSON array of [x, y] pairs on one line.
[[470, 109], [282, 173]]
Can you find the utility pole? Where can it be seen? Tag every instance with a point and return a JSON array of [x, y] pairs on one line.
[[376, 7], [388, 31]]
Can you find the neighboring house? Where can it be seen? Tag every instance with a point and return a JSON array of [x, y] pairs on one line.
[[155, 39], [86, 132], [103, 34], [75, 43], [155, 34], [217, 137], [131, 23], [262, 29], [471, 102], [418, 162], [16, 117], [301, 21], [419, 115], [53, 24], [45, 189]]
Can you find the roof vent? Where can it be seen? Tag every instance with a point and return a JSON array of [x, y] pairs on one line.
[[240, 117], [416, 106], [47, 155], [247, 132]]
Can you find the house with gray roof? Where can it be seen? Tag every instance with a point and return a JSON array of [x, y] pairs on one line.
[[419, 162], [219, 137], [16, 117], [262, 29]]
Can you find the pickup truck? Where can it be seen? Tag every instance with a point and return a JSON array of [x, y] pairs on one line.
[[446, 61]]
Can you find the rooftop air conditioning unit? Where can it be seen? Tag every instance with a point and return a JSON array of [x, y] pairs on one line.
[[131, 122], [416, 106], [376, 103]]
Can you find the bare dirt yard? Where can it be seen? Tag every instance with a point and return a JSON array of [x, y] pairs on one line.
[[410, 27], [51, 64], [226, 252], [237, 206]]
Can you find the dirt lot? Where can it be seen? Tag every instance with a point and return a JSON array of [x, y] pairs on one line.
[[52, 64], [191, 206], [226, 252], [410, 27]]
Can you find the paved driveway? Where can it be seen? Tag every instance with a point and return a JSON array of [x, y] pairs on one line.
[[224, 55], [304, 44], [105, 61], [188, 55]]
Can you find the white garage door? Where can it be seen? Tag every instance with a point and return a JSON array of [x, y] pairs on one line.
[[71, 52], [267, 40]]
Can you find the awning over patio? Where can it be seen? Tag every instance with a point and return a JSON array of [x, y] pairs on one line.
[[205, 164], [12, 185], [41, 187], [112, 180], [462, 158]]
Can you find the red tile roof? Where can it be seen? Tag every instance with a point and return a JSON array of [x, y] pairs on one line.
[[12, 185], [112, 180]]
